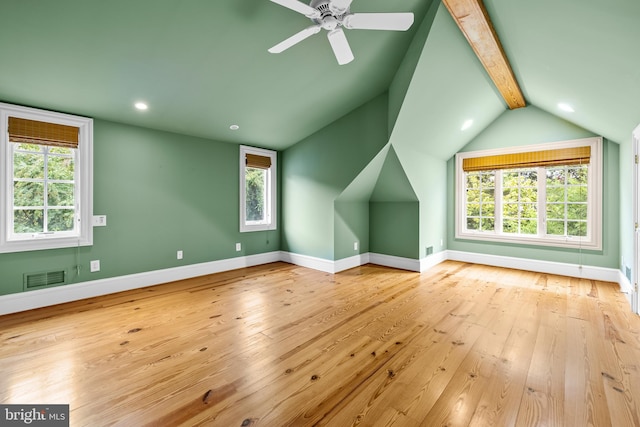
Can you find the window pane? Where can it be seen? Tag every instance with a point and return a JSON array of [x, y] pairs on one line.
[[60, 150], [60, 219], [488, 179], [555, 194], [510, 195], [575, 228], [60, 168], [255, 180], [473, 196], [488, 224], [555, 228], [29, 147], [529, 226], [28, 193], [510, 210], [577, 194], [555, 176], [473, 209], [26, 165], [576, 211], [577, 176], [473, 223], [555, 211], [60, 194], [28, 221], [473, 180], [529, 178], [510, 226], [510, 179], [488, 209], [528, 210], [488, 196]]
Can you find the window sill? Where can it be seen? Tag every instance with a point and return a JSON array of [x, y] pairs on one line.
[[43, 244], [560, 242]]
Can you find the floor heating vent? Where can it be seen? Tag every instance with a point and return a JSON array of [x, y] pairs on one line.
[[47, 278]]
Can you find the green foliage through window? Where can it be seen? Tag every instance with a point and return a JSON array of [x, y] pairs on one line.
[[255, 180], [564, 209], [44, 189]]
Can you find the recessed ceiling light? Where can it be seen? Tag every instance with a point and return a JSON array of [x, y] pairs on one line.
[[234, 127], [566, 107], [467, 124], [141, 106]]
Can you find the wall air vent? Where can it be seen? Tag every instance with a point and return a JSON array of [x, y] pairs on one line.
[[44, 279]]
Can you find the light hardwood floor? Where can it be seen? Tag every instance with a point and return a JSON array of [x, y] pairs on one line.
[[280, 345]]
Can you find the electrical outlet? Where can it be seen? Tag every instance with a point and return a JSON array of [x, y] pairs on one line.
[[238, 247], [179, 255], [95, 265], [355, 246]]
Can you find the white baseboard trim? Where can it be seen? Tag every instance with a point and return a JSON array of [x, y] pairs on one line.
[[395, 262], [549, 267], [23, 301], [432, 260], [320, 264], [625, 285], [351, 262]]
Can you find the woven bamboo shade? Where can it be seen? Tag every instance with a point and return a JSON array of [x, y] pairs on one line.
[[42, 133], [258, 162], [563, 156]]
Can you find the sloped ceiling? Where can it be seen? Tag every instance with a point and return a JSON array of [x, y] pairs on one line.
[[203, 65], [584, 53]]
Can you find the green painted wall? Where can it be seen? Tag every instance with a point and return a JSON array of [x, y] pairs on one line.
[[317, 170], [428, 177], [393, 228], [161, 192], [530, 126], [351, 225]]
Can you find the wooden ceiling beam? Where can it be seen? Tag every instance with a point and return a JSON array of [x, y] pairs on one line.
[[473, 19]]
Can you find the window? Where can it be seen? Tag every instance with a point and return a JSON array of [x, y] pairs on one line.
[[547, 194], [46, 179], [257, 189]]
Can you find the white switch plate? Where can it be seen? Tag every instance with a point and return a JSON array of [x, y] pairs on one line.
[[238, 247], [179, 255], [95, 265], [99, 220], [355, 246]]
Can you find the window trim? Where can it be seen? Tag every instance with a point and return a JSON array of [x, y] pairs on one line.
[[594, 207], [84, 184], [271, 202]]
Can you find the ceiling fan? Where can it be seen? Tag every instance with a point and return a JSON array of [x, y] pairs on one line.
[[333, 16]]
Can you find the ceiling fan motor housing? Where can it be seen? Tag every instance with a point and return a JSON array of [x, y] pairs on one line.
[[328, 19]]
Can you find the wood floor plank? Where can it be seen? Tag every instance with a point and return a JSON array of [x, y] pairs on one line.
[[281, 345]]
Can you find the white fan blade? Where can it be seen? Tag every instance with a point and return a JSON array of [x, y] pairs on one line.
[[339, 6], [340, 46], [296, 38], [299, 7], [379, 21]]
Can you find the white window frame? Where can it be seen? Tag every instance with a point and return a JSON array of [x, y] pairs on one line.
[[83, 168], [593, 240], [270, 200]]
